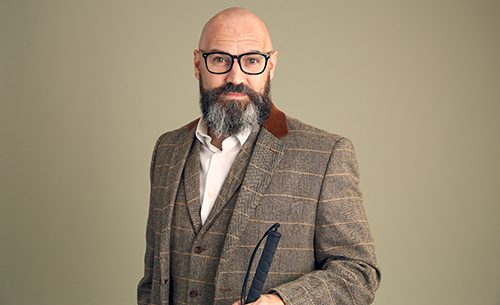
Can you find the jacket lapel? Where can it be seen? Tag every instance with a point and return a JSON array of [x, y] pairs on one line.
[[176, 159], [179, 155], [266, 155], [192, 185]]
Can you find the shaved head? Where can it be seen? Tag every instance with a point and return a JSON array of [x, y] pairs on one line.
[[236, 24]]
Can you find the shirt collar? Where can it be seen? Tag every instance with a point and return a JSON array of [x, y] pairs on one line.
[[205, 138]]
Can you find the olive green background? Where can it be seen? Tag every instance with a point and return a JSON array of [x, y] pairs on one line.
[[87, 86]]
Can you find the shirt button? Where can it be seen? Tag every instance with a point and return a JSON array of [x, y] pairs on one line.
[[193, 294], [198, 249], [210, 195], [217, 155]]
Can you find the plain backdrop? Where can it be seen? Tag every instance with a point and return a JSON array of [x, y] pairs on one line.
[[87, 86]]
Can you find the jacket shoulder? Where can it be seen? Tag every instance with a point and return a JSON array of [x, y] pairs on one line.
[[305, 133], [171, 137]]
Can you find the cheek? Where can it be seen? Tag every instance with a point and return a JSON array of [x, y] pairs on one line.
[[258, 84], [211, 81]]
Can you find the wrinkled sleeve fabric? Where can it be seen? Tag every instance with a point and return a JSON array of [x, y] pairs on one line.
[[347, 271]]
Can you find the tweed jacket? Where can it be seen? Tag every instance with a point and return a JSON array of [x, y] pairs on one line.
[[290, 172]]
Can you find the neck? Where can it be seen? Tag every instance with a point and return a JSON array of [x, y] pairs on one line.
[[217, 141]]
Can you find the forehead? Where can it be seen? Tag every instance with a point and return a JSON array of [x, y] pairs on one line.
[[235, 35]]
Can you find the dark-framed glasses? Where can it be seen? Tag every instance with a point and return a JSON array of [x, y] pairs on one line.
[[252, 63]]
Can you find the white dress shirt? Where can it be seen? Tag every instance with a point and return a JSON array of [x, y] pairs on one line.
[[215, 165]]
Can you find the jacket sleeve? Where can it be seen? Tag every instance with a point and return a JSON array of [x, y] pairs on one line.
[[145, 284], [347, 271]]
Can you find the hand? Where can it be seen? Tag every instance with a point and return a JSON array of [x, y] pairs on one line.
[[266, 299]]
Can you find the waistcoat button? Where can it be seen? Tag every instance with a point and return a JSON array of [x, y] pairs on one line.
[[198, 249], [193, 294]]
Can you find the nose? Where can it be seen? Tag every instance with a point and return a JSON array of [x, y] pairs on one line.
[[235, 75]]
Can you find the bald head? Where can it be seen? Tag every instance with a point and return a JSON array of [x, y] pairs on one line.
[[238, 26], [235, 31]]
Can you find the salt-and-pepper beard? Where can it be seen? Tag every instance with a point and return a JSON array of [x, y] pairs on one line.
[[229, 117]]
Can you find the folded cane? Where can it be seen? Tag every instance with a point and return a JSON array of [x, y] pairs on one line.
[[273, 238]]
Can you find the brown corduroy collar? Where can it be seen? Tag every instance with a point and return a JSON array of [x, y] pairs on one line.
[[275, 124]]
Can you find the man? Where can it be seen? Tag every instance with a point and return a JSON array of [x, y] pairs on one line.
[[218, 183]]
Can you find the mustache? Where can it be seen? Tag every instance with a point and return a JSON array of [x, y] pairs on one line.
[[232, 88], [216, 94]]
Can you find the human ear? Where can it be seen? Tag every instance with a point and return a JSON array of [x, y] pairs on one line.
[[272, 63], [197, 64]]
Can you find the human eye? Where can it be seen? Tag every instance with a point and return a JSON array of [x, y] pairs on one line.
[[252, 59], [218, 59]]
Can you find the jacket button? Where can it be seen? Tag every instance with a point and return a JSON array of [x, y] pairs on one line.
[[193, 294], [198, 249]]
